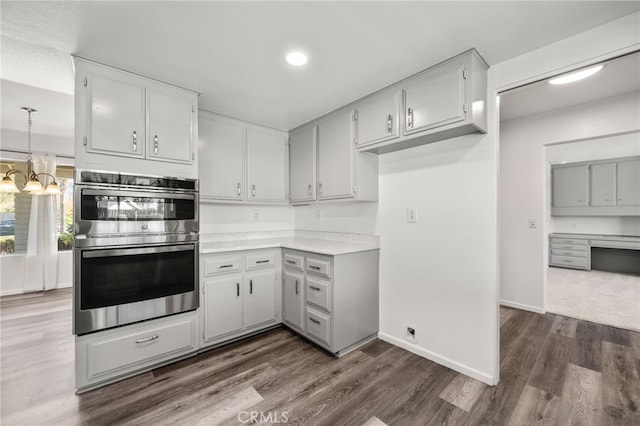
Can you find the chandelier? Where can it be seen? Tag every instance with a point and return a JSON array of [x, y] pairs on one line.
[[33, 184]]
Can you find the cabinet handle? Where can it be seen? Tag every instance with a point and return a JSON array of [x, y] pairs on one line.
[[389, 123], [410, 118], [296, 286], [147, 339], [315, 321], [310, 190], [568, 261], [250, 286], [320, 188], [134, 139], [239, 189], [314, 288], [253, 190], [262, 261], [224, 266], [316, 268], [155, 144], [290, 262], [620, 199], [237, 289]]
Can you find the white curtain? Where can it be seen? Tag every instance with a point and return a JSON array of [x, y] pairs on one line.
[[42, 246]]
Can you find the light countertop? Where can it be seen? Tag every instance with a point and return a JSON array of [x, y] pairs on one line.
[[329, 243]]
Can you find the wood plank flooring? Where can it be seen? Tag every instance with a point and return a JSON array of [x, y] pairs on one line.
[[554, 370]]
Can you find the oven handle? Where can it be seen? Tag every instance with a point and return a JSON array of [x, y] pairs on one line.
[[139, 194], [94, 253]]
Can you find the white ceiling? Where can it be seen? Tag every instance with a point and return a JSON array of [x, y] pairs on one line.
[[232, 52]]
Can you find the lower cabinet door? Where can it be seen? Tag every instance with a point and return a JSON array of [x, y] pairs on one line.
[[260, 294], [293, 299], [223, 306]]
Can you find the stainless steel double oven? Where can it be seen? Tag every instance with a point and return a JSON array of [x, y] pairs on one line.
[[135, 248]]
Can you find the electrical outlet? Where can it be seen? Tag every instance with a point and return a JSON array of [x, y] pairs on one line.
[[412, 215], [319, 215], [256, 215], [411, 334], [532, 223]]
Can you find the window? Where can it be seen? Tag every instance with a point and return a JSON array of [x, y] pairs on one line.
[[15, 211]]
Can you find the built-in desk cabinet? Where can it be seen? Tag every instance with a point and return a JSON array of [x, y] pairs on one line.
[[125, 122], [596, 188], [242, 162]]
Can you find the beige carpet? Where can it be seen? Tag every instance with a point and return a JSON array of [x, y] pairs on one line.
[[596, 296]]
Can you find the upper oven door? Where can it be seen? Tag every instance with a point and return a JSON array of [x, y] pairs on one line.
[[106, 211]]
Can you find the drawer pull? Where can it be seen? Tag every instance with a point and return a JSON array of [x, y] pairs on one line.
[[238, 289], [250, 286], [567, 261], [296, 286], [315, 321], [147, 339], [315, 268], [262, 261], [314, 288], [290, 262], [225, 266]]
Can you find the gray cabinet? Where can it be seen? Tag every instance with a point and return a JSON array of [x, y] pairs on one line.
[[628, 183], [302, 167], [293, 299], [603, 184], [223, 306], [376, 118], [570, 186], [335, 157], [569, 253], [267, 166]]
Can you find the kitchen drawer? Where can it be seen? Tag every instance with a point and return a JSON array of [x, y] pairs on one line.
[[221, 265], [317, 293], [261, 261], [568, 246], [107, 355], [565, 252], [319, 325], [569, 241], [319, 266], [293, 261], [570, 262]]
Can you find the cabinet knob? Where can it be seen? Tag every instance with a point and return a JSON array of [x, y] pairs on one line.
[[253, 190], [155, 144], [389, 123], [239, 189], [410, 118], [134, 140]]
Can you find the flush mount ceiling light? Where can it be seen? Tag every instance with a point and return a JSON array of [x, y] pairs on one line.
[[575, 76], [296, 58]]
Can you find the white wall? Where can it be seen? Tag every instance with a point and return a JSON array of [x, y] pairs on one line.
[[238, 218], [18, 140], [522, 157], [12, 272], [345, 216]]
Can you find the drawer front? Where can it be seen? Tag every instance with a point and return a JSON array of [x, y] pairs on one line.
[[569, 241], [565, 252], [571, 262], [108, 355], [258, 261], [293, 261], [318, 293], [319, 325], [568, 246], [319, 266], [222, 265]]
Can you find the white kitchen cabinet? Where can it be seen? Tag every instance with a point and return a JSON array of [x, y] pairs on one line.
[[377, 118], [603, 184], [222, 159], [293, 303], [570, 186], [223, 305], [128, 123], [267, 166], [302, 167], [241, 293], [241, 162], [628, 183], [335, 157]]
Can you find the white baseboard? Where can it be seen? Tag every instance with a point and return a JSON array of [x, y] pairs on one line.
[[522, 306], [461, 368], [17, 291]]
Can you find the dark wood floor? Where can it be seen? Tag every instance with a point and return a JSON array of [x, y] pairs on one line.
[[554, 370]]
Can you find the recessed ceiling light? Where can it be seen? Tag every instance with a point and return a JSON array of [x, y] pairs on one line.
[[575, 76], [297, 58]]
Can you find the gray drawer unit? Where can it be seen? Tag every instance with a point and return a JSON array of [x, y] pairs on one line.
[[569, 253]]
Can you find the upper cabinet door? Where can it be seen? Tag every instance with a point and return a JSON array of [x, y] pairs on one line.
[[302, 164], [116, 119], [435, 98], [267, 166], [570, 186], [603, 184], [171, 128], [377, 118], [629, 183], [335, 157], [221, 159]]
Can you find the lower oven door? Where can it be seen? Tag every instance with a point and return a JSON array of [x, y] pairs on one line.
[[115, 286]]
